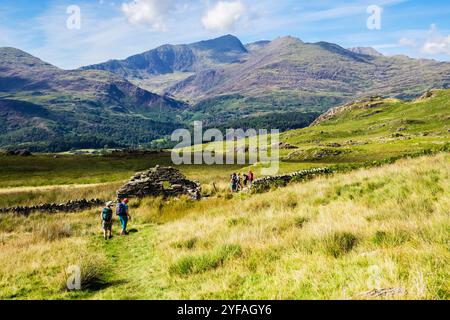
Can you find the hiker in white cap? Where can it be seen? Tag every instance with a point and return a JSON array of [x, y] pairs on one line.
[[107, 220]]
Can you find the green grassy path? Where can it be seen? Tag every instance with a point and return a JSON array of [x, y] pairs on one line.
[[133, 261]]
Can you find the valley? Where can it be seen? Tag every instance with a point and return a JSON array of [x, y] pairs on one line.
[[221, 82], [373, 223]]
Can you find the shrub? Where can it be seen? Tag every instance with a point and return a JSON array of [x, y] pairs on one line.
[[340, 243]]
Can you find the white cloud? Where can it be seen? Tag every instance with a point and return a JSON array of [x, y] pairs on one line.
[[152, 13], [224, 16], [436, 43]]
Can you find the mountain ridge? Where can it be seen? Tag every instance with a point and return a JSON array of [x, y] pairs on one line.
[[172, 58], [307, 76]]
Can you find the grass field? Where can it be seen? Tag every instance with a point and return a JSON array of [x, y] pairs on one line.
[[331, 238], [366, 228]]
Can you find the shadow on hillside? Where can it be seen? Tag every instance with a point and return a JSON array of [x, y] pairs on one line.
[[102, 285]]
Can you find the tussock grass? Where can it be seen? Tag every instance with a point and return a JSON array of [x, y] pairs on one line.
[[187, 244], [206, 261], [93, 272], [53, 231], [340, 243]]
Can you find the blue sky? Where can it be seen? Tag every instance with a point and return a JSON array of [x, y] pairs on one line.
[[111, 29]]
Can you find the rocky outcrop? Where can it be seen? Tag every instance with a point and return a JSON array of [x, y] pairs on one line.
[[160, 181], [368, 103], [267, 183], [71, 206], [427, 95]]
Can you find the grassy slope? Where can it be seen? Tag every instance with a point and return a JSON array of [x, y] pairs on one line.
[[317, 240], [388, 130], [332, 237]]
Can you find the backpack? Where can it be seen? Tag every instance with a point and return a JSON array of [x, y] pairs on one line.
[[107, 214], [121, 210]]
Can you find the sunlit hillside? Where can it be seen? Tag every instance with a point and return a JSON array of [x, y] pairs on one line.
[[372, 233]]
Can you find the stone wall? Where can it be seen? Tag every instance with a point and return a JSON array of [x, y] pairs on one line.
[[160, 181], [265, 184], [71, 206]]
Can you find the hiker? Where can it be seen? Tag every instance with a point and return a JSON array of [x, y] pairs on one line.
[[234, 182], [239, 182], [107, 220], [245, 180], [251, 177], [124, 215]]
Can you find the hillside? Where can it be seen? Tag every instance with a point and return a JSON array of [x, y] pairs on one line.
[[43, 107], [377, 233], [367, 130], [373, 129]]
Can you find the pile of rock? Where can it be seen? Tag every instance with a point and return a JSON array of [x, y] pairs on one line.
[[71, 206], [160, 181], [267, 183]]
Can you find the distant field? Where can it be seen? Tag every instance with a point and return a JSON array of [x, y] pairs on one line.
[[43, 178], [45, 169]]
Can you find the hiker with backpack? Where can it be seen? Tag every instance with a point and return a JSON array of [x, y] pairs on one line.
[[107, 220], [245, 180], [123, 214], [240, 187], [234, 183]]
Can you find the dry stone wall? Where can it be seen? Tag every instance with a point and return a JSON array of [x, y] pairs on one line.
[[71, 206], [265, 184]]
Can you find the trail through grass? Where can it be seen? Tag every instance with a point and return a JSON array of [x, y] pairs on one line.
[[333, 237], [132, 265]]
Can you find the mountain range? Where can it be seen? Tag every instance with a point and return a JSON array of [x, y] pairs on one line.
[[221, 81]]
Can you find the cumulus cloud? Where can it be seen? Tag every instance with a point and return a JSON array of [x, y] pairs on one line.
[[224, 16], [436, 43], [152, 13]]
